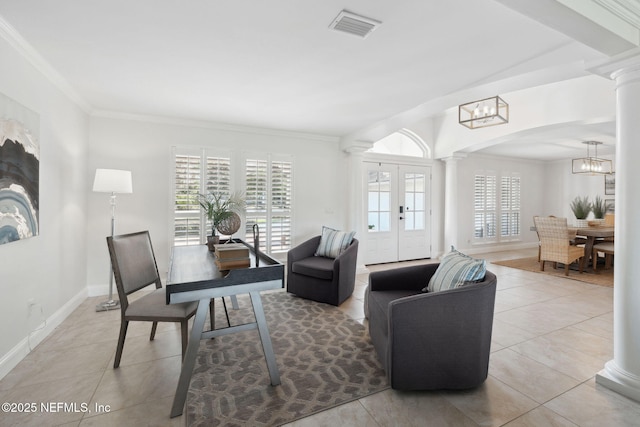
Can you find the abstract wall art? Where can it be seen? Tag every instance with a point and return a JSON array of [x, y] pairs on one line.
[[19, 171]]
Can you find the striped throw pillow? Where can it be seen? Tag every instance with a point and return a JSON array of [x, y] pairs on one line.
[[333, 242], [454, 270]]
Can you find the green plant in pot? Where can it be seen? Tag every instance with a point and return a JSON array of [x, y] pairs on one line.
[[221, 209], [599, 208], [581, 208]]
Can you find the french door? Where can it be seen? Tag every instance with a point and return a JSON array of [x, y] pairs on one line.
[[398, 212]]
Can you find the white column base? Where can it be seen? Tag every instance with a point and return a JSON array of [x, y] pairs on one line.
[[619, 381]]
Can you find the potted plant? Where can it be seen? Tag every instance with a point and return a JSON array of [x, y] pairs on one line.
[[581, 208], [599, 209], [219, 208]]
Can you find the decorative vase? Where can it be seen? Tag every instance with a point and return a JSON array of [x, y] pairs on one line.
[[582, 223], [212, 240]]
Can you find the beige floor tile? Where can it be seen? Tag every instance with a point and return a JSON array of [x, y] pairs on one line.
[[394, 408], [152, 413], [143, 382], [139, 349], [592, 405], [56, 402], [533, 379], [529, 293], [507, 335], [584, 341], [353, 307], [492, 404], [567, 360], [347, 415], [540, 318], [541, 417], [507, 301], [45, 366], [601, 325]]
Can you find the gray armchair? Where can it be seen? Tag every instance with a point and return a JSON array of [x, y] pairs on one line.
[[328, 280], [430, 341]]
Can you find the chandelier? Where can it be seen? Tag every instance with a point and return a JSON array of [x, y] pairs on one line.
[[486, 112], [591, 165]]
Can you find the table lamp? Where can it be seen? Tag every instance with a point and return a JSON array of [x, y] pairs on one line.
[[112, 181]]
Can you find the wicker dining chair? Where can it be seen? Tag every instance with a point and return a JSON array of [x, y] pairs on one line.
[[554, 235]]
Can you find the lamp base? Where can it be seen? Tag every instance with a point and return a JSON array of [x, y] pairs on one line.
[[108, 305]]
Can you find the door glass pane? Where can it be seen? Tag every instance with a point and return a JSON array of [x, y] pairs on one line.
[[409, 221], [384, 202], [378, 201], [373, 222], [385, 221], [414, 201], [373, 201]]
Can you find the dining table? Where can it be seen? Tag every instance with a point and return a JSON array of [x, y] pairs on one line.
[[591, 234]]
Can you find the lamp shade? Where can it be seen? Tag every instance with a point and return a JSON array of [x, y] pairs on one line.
[[112, 181]]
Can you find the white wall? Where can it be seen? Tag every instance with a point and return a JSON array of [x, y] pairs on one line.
[[568, 186], [144, 147], [49, 268], [534, 187]]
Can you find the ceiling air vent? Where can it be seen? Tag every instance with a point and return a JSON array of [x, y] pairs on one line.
[[356, 25]]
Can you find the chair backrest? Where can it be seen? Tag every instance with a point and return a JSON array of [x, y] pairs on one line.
[[610, 219], [553, 233], [133, 262]]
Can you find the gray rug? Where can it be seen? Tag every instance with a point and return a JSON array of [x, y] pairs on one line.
[[325, 359]]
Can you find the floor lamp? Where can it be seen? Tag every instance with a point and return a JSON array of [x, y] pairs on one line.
[[112, 181]]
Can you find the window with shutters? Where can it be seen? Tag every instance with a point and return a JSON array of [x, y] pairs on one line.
[[496, 213], [196, 172], [510, 206], [269, 186]]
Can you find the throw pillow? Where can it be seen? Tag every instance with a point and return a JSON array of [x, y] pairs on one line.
[[333, 242], [455, 270]]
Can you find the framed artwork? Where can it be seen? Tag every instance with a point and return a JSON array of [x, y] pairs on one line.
[[19, 171], [610, 184], [609, 206]]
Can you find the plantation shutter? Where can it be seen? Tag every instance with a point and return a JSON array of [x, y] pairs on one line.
[[269, 185], [281, 180], [187, 218], [485, 204], [510, 206], [196, 173]]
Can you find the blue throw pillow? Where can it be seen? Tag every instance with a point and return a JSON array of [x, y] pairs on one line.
[[455, 270], [333, 242]]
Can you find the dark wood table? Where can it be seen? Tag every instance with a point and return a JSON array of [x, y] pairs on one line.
[[592, 233], [193, 276]]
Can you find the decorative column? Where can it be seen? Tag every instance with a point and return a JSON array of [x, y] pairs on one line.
[[451, 201], [356, 198], [622, 374]]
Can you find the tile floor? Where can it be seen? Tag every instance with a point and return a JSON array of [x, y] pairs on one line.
[[551, 336]]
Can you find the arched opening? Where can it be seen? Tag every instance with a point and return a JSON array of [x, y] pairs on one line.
[[402, 143]]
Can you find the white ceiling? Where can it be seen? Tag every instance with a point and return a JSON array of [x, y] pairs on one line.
[[275, 64]]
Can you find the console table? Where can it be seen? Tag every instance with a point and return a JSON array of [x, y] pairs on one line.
[[193, 276]]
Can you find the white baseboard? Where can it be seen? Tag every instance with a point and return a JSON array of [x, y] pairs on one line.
[[24, 347], [483, 249]]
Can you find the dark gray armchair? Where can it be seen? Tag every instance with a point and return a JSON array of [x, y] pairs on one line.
[[430, 341], [329, 280]]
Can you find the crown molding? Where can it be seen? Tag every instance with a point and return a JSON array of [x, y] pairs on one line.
[[17, 42], [177, 121]]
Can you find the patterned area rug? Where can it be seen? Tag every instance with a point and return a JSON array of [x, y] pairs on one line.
[[325, 359], [601, 277]]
